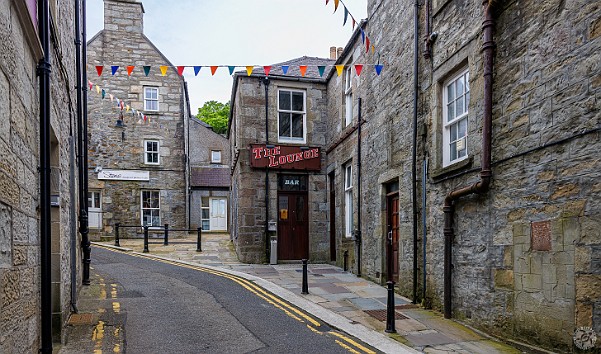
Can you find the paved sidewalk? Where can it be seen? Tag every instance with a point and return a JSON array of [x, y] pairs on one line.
[[354, 305]]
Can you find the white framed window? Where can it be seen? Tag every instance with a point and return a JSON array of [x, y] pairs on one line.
[[348, 200], [151, 208], [94, 209], [151, 98], [291, 116], [456, 98], [348, 96], [215, 156], [205, 214], [151, 152]]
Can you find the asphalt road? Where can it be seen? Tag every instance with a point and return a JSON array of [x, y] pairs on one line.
[[177, 309]]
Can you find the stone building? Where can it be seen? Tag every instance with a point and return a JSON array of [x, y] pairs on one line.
[[272, 120], [137, 148], [209, 178], [33, 307]]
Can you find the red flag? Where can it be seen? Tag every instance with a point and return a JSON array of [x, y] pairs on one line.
[[354, 23], [99, 69], [180, 70], [130, 68], [358, 68], [213, 69], [327, 1], [90, 84], [303, 69], [267, 70], [366, 44]]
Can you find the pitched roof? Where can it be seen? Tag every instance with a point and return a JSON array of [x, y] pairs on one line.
[[210, 177], [294, 71]]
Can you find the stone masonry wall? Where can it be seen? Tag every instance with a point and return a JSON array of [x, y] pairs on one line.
[[123, 148]]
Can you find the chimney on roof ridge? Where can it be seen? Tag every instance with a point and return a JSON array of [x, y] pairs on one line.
[[339, 52], [332, 52]]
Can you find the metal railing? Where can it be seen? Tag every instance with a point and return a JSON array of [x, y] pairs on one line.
[[165, 230]]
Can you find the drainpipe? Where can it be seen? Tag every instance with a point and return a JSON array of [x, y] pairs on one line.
[[414, 150], [43, 72], [482, 186], [83, 225], [358, 232], [265, 82]]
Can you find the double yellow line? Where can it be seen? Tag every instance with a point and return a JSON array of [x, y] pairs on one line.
[[290, 310]]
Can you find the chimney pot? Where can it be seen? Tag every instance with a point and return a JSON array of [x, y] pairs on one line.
[[332, 52], [339, 52]]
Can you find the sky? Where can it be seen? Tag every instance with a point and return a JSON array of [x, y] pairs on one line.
[[237, 32]]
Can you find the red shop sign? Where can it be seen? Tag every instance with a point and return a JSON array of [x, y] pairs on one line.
[[285, 157]]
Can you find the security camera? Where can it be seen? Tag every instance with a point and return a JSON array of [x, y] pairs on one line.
[[97, 169], [433, 36]]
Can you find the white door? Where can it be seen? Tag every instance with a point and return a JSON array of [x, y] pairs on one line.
[[218, 214], [94, 210]]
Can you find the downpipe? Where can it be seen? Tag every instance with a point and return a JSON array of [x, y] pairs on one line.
[[483, 185], [83, 226], [358, 231], [414, 148]]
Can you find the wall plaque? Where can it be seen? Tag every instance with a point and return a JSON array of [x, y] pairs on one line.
[[541, 236], [124, 175]]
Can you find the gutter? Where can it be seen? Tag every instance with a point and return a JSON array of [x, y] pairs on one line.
[[483, 185]]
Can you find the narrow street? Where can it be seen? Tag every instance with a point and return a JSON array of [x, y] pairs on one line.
[[174, 309]]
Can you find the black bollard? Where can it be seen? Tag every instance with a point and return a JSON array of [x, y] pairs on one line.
[[117, 235], [146, 240], [345, 267], [198, 246], [305, 288], [166, 239], [390, 308]]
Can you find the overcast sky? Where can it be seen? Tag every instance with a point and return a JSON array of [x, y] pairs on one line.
[[237, 32]]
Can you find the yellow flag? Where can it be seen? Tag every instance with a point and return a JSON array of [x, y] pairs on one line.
[[97, 89], [163, 69], [249, 69], [336, 5], [127, 108], [339, 69]]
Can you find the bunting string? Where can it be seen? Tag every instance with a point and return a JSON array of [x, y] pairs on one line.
[[364, 37], [115, 102]]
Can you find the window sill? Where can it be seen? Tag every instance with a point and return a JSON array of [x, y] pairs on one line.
[[439, 173]]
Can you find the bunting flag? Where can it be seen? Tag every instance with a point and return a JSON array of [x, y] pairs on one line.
[[249, 69], [180, 70], [267, 69], [111, 96], [90, 84], [348, 14], [345, 16], [163, 69], [321, 69], [303, 69], [362, 36], [103, 93], [327, 1], [213, 69], [97, 89], [114, 69], [127, 107], [99, 69], [146, 69], [354, 24], [336, 5], [285, 69], [379, 68], [366, 44], [358, 68], [130, 68], [231, 69], [339, 69], [197, 70]]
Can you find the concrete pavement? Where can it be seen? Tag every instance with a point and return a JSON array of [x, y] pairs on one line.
[[351, 304]]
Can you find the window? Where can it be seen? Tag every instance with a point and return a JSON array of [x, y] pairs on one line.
[[456, 98], [348, 96], [151, 152], [151, 208], [348, 199], [215, 156], [291, 114], [151, 98], [205, 219]]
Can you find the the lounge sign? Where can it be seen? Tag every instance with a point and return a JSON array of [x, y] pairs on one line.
[[124, 175], [285, 157]]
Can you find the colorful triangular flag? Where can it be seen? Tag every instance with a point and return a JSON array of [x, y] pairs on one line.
[[249, 69], [303, 69], [146, 69], [358, 68], [103, 93], [321, 69], [130, 68], [213, 69], [197, 70], [354, 23], [111, 96], [99, 69], [231, 69], [97, 89], [339, 69], [163, 69], [362, 36], [285, 69], [180, 70], [336, 5], [114, 69], [379, 68], [366, 44], [90, 84], [267, 69], [345, 16]]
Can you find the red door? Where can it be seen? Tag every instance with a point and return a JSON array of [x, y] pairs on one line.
[[293, 228], [392, 218]]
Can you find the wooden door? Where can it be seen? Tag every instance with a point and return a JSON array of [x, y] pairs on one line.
[[218, 212], [293, 226], [392, 218]]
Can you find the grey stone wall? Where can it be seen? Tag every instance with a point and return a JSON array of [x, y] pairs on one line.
[[248, 184], [19, 177], [123, 43]]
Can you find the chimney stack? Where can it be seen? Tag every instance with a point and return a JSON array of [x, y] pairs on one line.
[[339, 52], [332, 52]]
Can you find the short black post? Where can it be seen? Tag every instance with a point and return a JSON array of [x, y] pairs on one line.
[[390, 308], [345, 264], [146, 239], [305, 288], [198, 239], [166, 238], [117, 234]]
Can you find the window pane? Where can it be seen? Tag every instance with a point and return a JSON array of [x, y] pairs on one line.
[[285, 100], [462, 128], [285, 124], [453, 129], [467, 82], [453, 151], [297, 125], [450, 111], [205, 202], [205, 213], [450, 93], [297, 101], [462, 152], [205, 224], [459, 87], [459, 106], [467, 100]]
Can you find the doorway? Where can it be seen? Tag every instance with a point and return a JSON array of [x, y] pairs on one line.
[[293, 217], [392, 230], [218, 220]]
